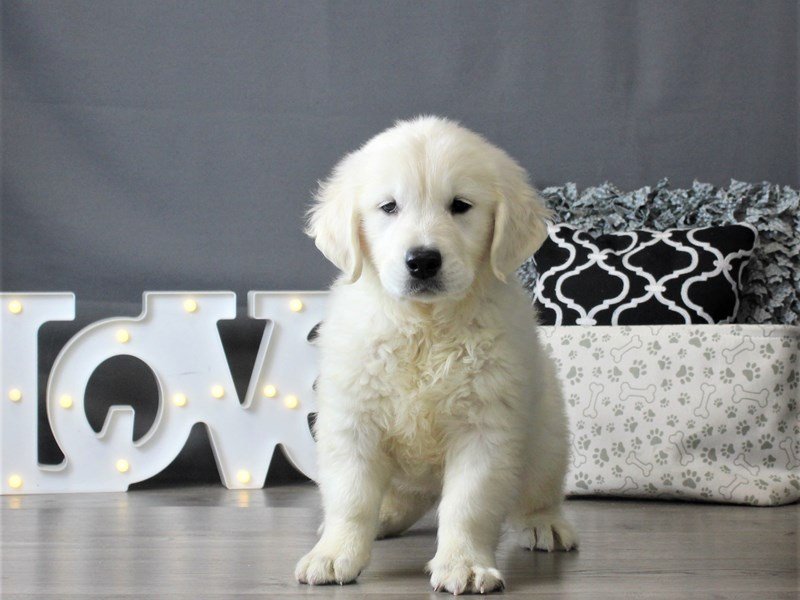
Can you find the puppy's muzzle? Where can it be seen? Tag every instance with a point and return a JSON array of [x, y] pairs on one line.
[[423, 263]]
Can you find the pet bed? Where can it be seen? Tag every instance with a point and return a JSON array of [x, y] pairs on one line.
[[702, 412]]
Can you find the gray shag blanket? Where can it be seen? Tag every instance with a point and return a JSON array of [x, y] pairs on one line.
[[771, 282]]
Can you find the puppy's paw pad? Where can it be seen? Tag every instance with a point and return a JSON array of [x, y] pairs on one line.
[[464, 577], [549, 532], [317, 568]]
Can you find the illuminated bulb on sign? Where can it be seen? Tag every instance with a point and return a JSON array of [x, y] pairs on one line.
[[291, 401], [65, 401], [190, 305], [296, 305], [15, 482], [123, 465], [15, 307], [243, 476], [217, 391], [123, 337], [179, 399], [14, 395], [270, 391]]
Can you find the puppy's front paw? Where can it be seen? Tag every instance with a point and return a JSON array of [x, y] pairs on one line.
[[459, 575], [319, 567]]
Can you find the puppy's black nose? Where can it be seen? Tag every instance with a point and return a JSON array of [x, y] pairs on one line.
[[423, 263]]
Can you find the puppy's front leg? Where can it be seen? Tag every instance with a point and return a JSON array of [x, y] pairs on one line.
[[352, 478], [479, 484]]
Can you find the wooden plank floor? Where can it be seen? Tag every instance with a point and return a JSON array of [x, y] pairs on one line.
[[208, 542]]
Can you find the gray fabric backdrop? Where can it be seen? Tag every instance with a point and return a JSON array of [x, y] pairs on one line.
[[174, 145]]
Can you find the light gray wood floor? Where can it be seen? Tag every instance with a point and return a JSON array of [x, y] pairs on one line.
[[206, 541]]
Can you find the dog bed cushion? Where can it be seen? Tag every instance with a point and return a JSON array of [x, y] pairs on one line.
[[704, 412], [642, 277]]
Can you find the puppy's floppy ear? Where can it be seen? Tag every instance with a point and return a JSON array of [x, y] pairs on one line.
[[334, 221], [520, 226]]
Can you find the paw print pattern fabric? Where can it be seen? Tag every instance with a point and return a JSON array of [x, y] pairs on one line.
[[703, 412]]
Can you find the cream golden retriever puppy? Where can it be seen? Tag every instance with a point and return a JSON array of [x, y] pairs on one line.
[[433, 383]]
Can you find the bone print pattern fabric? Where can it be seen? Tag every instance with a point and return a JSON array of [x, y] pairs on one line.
[[706, 412], [642, 277]]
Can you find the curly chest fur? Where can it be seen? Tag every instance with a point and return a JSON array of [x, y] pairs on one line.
[[424, 383]]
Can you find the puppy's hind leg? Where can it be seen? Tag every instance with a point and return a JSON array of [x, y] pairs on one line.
[[547, 529], [539, 518], [400, 509], [538, 515]]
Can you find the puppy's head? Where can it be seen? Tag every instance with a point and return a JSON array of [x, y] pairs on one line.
[[429, 206]]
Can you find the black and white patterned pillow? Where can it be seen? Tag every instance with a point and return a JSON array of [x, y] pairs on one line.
[[642, 277]]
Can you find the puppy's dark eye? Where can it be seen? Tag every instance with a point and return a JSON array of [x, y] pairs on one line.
[[459, 206], [389, 207]]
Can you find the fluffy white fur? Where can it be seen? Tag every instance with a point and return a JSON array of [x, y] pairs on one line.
[[440, 394]]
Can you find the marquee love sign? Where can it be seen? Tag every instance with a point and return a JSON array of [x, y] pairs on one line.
[[176, 336]]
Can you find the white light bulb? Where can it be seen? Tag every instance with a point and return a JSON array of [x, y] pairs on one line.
[[291, 401], [270, 391], [190, 305], [15, 307], [295, 305], [123, 466], [15, 395], [15, 482], [65, 401], [123, 337], [243, 476], [179, 400], [217, 391]]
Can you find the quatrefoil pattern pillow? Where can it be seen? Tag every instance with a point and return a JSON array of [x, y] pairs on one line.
[[643, 277]]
